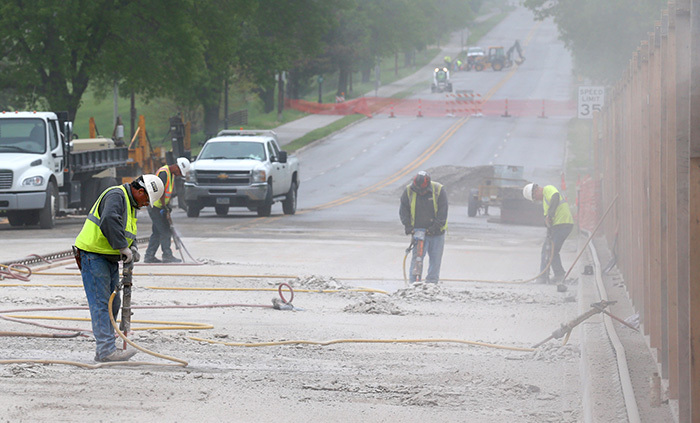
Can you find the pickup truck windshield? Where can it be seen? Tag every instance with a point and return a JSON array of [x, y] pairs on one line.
[[22, 136], [236, 150]]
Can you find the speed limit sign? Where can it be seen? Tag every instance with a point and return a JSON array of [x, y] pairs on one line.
[[590, 99]]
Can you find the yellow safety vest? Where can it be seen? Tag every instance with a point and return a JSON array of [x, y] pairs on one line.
[[92, 239], [562, 214], [436, 188], [168, 192]]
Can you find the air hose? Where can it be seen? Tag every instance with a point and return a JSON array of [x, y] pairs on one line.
[[364, 341]]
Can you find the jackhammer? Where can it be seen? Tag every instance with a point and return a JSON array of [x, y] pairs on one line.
[[418, 247], [565, 329], [125, 286]]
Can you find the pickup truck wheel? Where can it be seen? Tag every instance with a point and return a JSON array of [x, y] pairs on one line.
[[221, 210], [47, 215], [265, 208], [289, 205], [193, 209]]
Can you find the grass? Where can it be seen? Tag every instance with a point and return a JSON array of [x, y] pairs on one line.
[[319, 133]]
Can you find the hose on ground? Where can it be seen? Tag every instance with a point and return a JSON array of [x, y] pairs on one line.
[[180, 362], [364, 341]]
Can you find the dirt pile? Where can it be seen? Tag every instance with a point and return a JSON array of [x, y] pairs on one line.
[[375, 305]]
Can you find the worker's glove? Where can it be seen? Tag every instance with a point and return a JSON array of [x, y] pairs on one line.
[[135, 253], [549, 221], [434, 229], [408, 230], [126, 255], [164, 212]]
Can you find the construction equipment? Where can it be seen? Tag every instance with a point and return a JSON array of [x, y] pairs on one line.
[[179, 245], [565, 329], [505, 182], [497, 58], [125, 285], [418, 247], [441, 80]]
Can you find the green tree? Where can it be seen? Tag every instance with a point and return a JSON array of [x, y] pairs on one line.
[[280, 35], [52, 49], [602, 35]]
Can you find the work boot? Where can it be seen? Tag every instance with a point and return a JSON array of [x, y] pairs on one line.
[[151, 259], [171, 259], [117, 355]]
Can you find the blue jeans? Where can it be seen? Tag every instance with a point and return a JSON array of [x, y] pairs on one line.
[[100, 279], [160, 234], [434, 246]]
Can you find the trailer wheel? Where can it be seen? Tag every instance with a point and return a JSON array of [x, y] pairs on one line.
[[479, 67], [473, 205], [47, 215]]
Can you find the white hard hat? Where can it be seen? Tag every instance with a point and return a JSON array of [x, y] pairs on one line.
[[184, 165], [527, 191], [154, 187]]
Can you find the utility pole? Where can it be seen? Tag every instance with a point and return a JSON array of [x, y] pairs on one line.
[[320, 89]]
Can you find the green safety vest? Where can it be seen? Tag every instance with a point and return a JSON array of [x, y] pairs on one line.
[[436, 188], [168, 192], [562, 214], [92, 239]]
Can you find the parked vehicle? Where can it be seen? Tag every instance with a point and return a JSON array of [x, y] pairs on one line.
[[242, 168], [44, 173]]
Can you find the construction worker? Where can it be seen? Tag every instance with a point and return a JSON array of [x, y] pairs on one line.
[[424, 206], [559, 224], [160, 214], [108, 236]]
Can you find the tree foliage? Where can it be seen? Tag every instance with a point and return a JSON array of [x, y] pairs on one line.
[[188, 50], [602, 35]]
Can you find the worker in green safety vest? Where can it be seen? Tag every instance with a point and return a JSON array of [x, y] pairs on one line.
[[107, 237], [559, 224], [424, 206], [160, 214]]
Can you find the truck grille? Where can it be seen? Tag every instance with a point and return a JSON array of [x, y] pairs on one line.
[[5, 179], [223, 177]]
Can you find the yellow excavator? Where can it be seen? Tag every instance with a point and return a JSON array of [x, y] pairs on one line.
[[497, 58]]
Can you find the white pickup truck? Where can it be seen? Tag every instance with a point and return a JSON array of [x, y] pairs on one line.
[[242, 168]]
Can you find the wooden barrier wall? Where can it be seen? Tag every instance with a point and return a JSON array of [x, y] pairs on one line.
[[647, 142]]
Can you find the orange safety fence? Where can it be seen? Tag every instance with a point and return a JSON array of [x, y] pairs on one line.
[[587, 203], [450, 105]]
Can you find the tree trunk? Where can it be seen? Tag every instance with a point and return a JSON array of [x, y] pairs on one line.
[[292, 85], [280, 96], [211, 119], [366, 74], [267, 95], [342, 81]]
